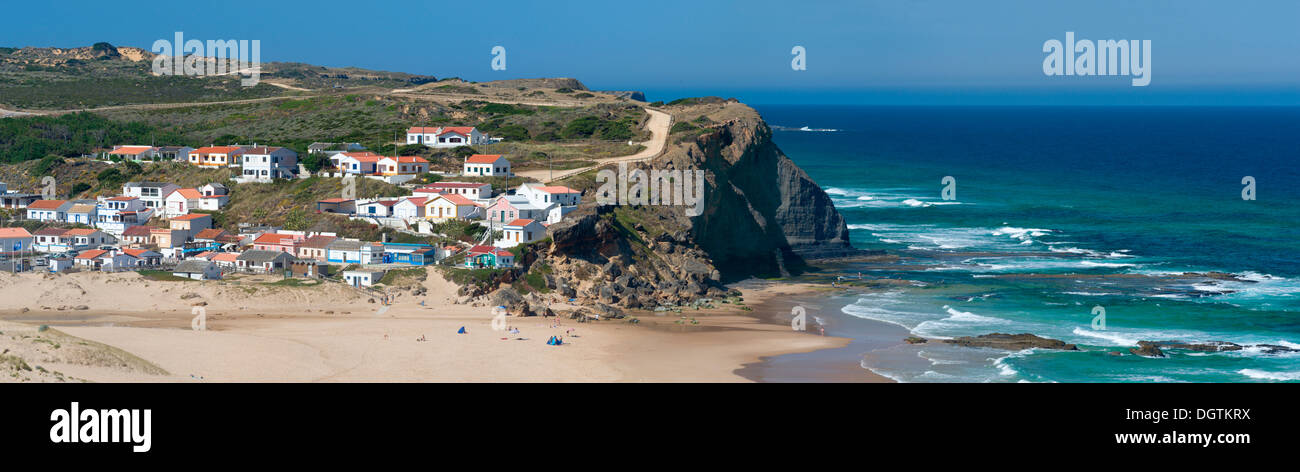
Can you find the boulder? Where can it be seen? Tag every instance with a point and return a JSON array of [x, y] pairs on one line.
[[1012, 342]]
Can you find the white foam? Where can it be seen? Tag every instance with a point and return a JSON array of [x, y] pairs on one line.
[[1115, 338], [1266, 375]]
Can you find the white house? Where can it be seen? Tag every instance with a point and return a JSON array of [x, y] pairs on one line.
[[362, 278], [487, 165], [151, 194], [378, 208], [48, 210], [358, 163], [349, 251], [520, 231], [544, 195], [197, 269], [184, 200], [265, 163], [446, 136], [410, 207], [133, 153], [82, 211], [470, 190], [114, 215]]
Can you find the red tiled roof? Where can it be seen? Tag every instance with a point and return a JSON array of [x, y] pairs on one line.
[[215, 150], [489, 250], [136, 231], [81, 232], [210, 233], [130, 150], [482, 159], [92, 254], [557, 189], [318, 241], [188, 193], [225, 257], [456, 199], [275, 238], [194, 216], [46, 204], [123, 198], [461, 130], [520, 222], [14, 233], [136, 252]]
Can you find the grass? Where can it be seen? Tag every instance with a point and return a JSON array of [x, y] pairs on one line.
[[163, 276], [294, 282]]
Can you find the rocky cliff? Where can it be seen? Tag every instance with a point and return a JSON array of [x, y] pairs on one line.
[[762, 216]]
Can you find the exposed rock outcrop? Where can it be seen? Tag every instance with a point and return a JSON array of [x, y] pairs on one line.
[[1012, 342]]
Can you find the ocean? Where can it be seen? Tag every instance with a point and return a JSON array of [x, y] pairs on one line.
[[1061, 215]]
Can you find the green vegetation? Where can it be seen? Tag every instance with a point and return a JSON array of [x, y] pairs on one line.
[[70, 135]]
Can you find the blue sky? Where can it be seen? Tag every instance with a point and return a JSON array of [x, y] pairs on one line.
[[925, 52]]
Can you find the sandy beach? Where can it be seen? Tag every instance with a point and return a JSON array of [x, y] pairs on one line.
[[333, 333]]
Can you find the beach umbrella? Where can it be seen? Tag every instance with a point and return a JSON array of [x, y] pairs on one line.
[[462, 330]]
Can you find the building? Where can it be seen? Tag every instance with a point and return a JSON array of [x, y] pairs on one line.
[[347, 251], [362, 278], [14, 240], [411, 254], [49, 210], [197, 269], [137, 236], [484, 257], [331, 149], [266, 163], [309, 268], [81, 212], [356, 163], [470, 190], [114, 215], [337, 205], [225, 260], [266, 262], [446, 136], [152, 194], [544, 195], [402, 165], [17, 200], [513, 207], [144, 257], [487, 165], [520, 231], [216, 156], [173, 153], [316, 247], [279, 242], [191, 224], [184, 200], [106, 260], [409, 208], [133, 153], [377, 209], [449, 206]]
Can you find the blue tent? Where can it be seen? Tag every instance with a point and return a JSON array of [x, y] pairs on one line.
[[462, 330]]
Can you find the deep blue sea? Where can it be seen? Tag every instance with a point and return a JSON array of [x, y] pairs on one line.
[[1050, 204]]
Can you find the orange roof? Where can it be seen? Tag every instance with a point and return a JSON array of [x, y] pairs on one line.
[[204, 254], [210, 233], [80, 232], [421, 130], [275, 238], [520, 222], [409, 159], [455, 199], [225, 257], [363, 156], [215, 150], [130, 150], [482, 158], [188, 193], [489, 250], [122, 199], [135, 252], [194, 216], [557, 189], [91, 254], [418, 201], [46, 204], [461, 130], [14, 233]]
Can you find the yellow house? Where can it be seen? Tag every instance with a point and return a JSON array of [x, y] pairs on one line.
[[216, 156], [443, 207]]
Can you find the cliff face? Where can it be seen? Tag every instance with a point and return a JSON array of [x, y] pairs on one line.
[[762, 216]]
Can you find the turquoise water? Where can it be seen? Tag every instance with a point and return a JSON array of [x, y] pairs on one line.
[[1051, 205]]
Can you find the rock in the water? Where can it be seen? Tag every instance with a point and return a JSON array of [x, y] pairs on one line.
[[1147, 349], [1012, 342], [914, 340]]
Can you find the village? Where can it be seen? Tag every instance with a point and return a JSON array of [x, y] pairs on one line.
[[168, 229]]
